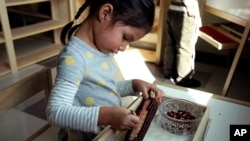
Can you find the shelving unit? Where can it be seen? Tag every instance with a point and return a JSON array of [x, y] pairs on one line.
[[155, 38], [224, 37], [60, 15]]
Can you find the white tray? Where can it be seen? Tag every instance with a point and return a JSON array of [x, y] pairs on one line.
[[155, 132]]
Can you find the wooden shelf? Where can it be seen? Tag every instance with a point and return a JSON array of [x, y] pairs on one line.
[[37, 28], [148, 42], [35, 15], [149, 56], [217, 37], [151, 45], [4, 68], [22, 2], [21, 124], [146, 46], [150, 38], [32, 57], [232, 38], [38, 55], [49, 135], [19, 53], [33, 29]]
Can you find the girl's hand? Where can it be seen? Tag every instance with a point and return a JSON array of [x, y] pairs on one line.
[[123, 119], [118, 117], [145, 88]]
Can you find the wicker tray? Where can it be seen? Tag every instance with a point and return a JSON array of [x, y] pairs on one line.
[[155, 132]]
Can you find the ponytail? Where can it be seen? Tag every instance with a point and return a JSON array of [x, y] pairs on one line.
[[68, 30]]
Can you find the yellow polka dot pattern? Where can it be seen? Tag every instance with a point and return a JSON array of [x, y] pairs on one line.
[[69, 60], [101, 83], [78, 83], [89, 54], [89, 101], [86, 74], [112, 92], [105, 66]]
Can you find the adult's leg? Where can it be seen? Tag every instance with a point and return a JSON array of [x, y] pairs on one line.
[[186, 37], [170, 49], [186, 47]]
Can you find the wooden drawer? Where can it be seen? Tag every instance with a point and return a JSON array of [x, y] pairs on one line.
[[217, 37]]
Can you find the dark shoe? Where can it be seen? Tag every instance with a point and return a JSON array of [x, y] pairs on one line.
[[187, 82]]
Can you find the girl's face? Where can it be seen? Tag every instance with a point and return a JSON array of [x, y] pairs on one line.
[[111, 38]]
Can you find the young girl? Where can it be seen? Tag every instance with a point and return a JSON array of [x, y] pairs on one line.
[[87, 94]]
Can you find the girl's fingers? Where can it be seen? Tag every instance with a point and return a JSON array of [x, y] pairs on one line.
[[133, 120]]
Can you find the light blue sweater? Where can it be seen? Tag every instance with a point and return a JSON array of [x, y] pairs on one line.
[[86, 80]]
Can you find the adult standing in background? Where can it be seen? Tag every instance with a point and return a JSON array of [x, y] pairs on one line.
[[182, 27]]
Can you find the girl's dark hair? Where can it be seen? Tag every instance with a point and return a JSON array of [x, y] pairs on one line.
[[137, 13]]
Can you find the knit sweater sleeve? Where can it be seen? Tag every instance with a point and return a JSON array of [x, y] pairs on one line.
[[62, 113], [125, 88]]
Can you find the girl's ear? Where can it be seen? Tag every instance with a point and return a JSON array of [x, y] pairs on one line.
[[105, 13]]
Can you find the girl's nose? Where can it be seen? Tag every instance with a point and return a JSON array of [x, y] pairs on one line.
[[122, 48]]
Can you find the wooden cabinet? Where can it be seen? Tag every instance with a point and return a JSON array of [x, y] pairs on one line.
[[18, 48]]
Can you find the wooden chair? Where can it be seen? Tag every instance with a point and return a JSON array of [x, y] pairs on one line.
[[223, 37]]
